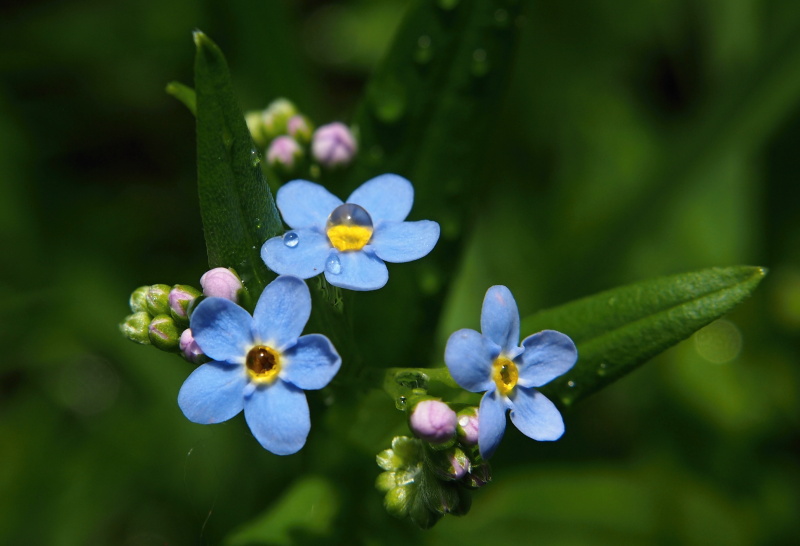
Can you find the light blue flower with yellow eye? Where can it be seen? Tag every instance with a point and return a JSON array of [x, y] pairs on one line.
[[494, 363], [261, 364], [348, 241]]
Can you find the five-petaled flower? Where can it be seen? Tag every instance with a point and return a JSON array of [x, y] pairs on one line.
[[260, 364], [348, 241], [493, 362]]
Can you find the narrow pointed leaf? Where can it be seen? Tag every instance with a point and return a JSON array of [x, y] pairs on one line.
[[238, 210], [618, 330], [185, 94]]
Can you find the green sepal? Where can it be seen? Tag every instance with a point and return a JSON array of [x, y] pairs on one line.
[[237, 207], [185, 94], [618, 330]]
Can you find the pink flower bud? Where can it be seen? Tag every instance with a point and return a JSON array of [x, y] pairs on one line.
[[189, 347], [333, 145], [221, 283], [468, 426], [299, 128], [284, 151], [433, 421], [179, 299]]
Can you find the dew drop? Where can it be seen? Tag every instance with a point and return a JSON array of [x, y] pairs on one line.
[[255, 158], [333, 265], [602, 369], [480, 64], [291, 239], [571, 384]]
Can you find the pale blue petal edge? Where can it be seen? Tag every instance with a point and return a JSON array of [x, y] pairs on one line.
[[469, 357], [304, 204], [387, 198], [305, 260], [213, 393], [278, 417], [399, 242], [360, 270], [491, 423], [500, 317], [547, 355], [535, 415], [221, 329], [282, 312], [311, 363]]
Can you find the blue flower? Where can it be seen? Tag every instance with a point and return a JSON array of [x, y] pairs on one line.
[[494, 363], [348, 241], [261, 364]]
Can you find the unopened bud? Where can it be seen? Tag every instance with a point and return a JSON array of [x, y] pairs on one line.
[[164, 333], [468, 426], [136, 327], [284, 153], [221, 282], [333, 145], [451, 464], [300, 128], [180, 297], [189, 348], [479, 475], [397, 500], [138, 301], [276, 116], [157, 299], [255, 124], [433, 421]]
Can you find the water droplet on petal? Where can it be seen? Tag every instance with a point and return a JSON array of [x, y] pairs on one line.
[[291, 239], [333, 265]]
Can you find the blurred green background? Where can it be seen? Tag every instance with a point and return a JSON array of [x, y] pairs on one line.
[[634, 141]]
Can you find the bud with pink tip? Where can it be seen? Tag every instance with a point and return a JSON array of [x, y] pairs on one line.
[[300, 128], [221, 282], [468, 426], [333, 145], [433, 421], [180, 297], [284, 153], [189, 348]]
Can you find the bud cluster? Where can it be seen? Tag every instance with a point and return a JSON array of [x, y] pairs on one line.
[[292, 144], [429, 476], [160, 313]]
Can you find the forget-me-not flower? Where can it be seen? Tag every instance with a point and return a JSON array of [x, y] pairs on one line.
[[348, 241], [260, 364], [493, 362]]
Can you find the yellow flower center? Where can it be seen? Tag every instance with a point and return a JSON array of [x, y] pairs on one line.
[[263, 364], [505, 375], [349, 227]]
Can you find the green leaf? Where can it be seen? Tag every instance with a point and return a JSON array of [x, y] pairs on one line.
[[237, 207], [618, 330], [185, 94], [304, 513]]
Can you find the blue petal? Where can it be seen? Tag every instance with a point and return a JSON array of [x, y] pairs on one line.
[[222, 329], [282, 312], [500, 318], [305, 260], [491, 423], [535, 416], [547, 355], [278, 417], [311, 363], [404, 241], [213, 393], [360, 270], [469, 357], [305, 204], [387, 198]]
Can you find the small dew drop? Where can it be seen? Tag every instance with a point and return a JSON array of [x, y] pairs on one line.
[[571, 384], [255, 157], [291, 239], [333, 265], [602, 369]]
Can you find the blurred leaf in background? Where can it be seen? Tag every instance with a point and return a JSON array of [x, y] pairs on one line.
[[631, 143]]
